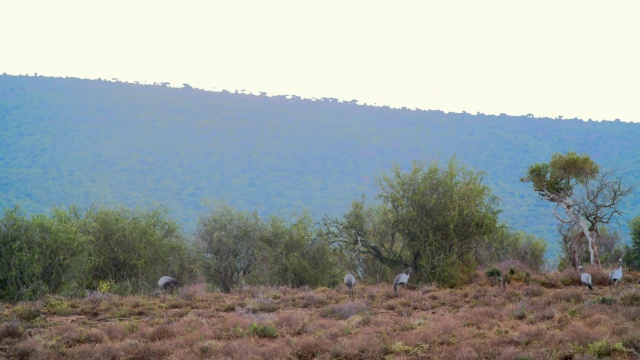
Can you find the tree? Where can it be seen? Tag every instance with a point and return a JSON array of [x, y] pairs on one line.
[[609, 249], [518, 246], [290, 254], [132, 249], [632, 253], [588, 197], [364, 237], [231, 240], [434, 220]]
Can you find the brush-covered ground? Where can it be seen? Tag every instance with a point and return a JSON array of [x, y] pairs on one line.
[[547, 316]]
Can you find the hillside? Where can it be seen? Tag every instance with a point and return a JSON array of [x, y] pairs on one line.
[[67, 141]]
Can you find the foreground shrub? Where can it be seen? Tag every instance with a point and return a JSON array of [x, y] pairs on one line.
[[630, 298], [344, 311], [517, 275], [602, 348], [495, 276], [11, 329], [264, 331], [28, 310]]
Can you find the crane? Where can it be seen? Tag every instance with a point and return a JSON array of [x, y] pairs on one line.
[[585, 278], [164, 283], [401, 279], [350, 281], [615, 275]]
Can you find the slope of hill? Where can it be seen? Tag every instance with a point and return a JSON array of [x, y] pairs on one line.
[[70, 141]]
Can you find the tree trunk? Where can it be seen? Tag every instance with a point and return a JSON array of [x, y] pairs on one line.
[[573, 249], [593, 248], [595, 258]]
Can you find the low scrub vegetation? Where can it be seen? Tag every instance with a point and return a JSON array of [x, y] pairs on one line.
[[481, 320]]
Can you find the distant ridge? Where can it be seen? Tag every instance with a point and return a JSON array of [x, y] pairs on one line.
[[69, 141]]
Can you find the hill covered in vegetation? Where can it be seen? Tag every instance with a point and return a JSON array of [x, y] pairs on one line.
[[68, 141]]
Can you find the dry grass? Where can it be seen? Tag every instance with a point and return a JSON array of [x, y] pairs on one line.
[[548, 316]]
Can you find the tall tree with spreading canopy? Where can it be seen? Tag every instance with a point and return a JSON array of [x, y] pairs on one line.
[[588, 196], [432, 219]]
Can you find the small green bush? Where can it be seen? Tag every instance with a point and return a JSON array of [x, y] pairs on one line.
[[607, 300], [514, 274], [263, 331], [602, 348]]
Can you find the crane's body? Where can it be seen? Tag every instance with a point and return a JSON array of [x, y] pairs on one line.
[[350, 281], [615, 275], [164, 283], [401, 279], [585, 278]]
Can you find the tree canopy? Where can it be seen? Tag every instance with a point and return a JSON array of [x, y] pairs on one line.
[[588, 196], [435, 220]]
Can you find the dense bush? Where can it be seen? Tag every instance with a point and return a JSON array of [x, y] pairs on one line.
[[115, 250], [230, 241], [39, 255], [241, 248], [291, 255], [132, 249], [506, 245]]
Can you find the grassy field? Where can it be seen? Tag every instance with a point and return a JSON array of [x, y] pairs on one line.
[[547, 316]]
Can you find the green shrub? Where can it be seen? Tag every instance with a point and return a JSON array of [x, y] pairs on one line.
[[263, 331], [606, 300], [69, 252], [42, 255], [514, 274], [493, 273], [57, 305], [132, 249], [602, 348]]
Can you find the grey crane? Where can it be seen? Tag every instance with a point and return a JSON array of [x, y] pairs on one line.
[[164, 283], [401, 279], [615, 275], [586, 278], [350, 281]]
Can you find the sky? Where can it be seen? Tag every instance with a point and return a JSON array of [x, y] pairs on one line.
[[570, 59]]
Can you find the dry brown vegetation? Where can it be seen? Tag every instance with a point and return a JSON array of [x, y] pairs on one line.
[[549, 316]]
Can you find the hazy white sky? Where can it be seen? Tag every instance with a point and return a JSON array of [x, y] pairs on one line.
[[548, 58]]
